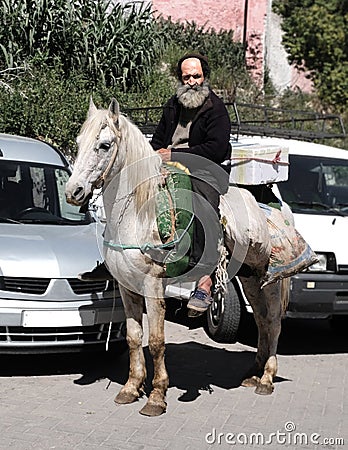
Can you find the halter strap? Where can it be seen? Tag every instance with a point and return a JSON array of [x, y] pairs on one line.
[[99, 182]]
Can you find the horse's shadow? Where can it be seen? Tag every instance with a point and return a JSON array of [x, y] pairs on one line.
[[192, 368]]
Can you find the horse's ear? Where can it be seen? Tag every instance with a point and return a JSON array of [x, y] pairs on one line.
[[92, 108], [114, 110]]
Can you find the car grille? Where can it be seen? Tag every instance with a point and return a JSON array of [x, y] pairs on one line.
[[26, 337], [85, 287], [25, 285], [39, 285]]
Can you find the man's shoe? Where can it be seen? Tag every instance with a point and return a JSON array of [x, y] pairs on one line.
[[99, 273], [199, 303]]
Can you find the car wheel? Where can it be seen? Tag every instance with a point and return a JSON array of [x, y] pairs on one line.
[[223, 316]]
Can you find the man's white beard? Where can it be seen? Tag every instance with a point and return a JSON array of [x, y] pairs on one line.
[[192, 97]]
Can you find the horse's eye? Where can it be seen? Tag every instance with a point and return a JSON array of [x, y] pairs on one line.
[[104, 146]]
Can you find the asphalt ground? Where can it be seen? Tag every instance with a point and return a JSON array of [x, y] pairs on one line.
[[66, 401]]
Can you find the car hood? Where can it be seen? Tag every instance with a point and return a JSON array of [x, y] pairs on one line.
[[49, 251], [325, 233]]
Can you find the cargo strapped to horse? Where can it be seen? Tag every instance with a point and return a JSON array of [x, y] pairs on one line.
[[174, 216]]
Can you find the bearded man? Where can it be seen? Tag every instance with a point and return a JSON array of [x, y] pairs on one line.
[[195, 130]]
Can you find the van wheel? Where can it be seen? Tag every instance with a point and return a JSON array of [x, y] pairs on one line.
[[223, 316]]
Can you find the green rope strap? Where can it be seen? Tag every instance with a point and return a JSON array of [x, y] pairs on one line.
[[148, 245]]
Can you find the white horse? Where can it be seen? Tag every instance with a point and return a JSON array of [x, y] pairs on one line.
[[114, 153]]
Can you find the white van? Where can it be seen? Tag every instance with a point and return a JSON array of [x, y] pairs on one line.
[[317, 193], [44, 244]]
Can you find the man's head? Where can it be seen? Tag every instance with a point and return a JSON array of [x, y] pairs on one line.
[[200, 66], [193, 88]]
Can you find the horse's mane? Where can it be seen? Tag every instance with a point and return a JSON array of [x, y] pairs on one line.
[[143, 162]]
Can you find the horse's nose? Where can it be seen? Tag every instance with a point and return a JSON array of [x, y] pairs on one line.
[[77, 192], [76, 196]]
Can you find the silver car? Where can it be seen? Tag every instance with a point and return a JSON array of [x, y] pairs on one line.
[[44, 244]]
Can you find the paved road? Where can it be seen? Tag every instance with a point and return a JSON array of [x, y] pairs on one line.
[[66, 402]]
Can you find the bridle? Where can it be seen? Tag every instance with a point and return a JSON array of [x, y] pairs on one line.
[[99, 182]]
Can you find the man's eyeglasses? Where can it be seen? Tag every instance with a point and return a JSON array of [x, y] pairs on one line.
[[195, 77]]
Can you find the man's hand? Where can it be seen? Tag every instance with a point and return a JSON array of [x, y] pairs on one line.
[[165, 154]]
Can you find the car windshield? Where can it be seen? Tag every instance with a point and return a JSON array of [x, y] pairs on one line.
[[316, 184], [35, 193]]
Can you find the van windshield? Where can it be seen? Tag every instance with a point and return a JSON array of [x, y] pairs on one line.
[[35, 193], [316, 184]]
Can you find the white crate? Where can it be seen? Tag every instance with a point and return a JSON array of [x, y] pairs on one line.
[[259, 164]]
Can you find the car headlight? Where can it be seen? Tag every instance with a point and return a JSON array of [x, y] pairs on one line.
[[326, 263]]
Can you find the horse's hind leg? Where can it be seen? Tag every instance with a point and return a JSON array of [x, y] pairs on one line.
[[156, 404], [133, 305], [266, 304]]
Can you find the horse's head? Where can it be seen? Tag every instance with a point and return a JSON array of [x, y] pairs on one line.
[[98, 143]]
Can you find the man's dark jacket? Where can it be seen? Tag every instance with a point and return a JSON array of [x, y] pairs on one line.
[[209, 132]]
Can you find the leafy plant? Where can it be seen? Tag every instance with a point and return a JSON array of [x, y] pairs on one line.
[[105, 41], [316, 38]]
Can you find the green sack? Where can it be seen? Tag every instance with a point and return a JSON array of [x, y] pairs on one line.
[[174, 215]]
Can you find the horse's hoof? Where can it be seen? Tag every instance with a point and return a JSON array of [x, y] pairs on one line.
[[125, 397], [251, 382], [152, 410], [264, 389]]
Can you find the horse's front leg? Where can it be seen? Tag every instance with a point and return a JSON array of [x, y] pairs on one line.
[[156, 404], [134, 306], [266, 304]]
